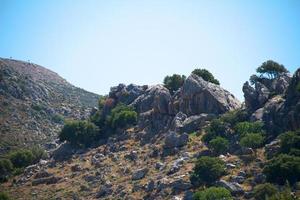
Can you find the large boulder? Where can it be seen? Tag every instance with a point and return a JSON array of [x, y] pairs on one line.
[[195, 122], [255, 97], [233, 187], [173, 140], [156, 97], [199, 96]]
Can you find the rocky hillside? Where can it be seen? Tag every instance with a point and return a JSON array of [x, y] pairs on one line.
[[199, 141], [34, 101]]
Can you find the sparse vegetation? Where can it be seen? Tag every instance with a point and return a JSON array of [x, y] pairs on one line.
[[207, 170], [6, 168], [264, 191], [213, 193], [4, 196], [206, 75]]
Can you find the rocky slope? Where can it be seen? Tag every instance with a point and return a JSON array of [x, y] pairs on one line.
[[34, 101], [155, 158]]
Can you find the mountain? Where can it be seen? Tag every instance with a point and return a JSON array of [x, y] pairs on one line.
[[197, 142], [34, 101]]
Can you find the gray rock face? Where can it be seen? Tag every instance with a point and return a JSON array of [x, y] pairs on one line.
[[199, 96], [255, 97], [290, 110], [180, 185], [46, 180], [272, 148], [104, 190], [233, 187], [64, 151], [139, 174], [126, 94], [156, 97], [174, 140], [264, 89], [195, 122]]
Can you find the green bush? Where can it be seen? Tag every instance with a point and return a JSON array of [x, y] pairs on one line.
[[252, 140], [243, 128], [4, 196], [268, 191], [206, 75], [38, 153], [57, 118], [216, 128], [283, 168], [264, 191], [79, 133], [122, 116], [207, 170], [219, 145], [290, 142], [213, 193], [21, 158], [174, 82], [234, 117], [6, 168]]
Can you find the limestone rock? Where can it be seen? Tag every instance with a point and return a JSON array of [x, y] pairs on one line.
[[199, 96]]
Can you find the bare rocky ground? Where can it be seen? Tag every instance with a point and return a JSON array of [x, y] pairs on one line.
[[126, 169], [34, 101]]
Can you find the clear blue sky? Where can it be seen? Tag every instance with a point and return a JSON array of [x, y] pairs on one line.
[[98, 44]]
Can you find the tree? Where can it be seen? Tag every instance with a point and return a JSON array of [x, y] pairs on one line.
[[207, 170], [174, 82], [252, 140], [79, 133], [283, 168], [219, 145], [206, 75], [213, 193], [271, 69]]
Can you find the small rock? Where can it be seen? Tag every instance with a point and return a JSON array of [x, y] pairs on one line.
[[139, 174], [238, 179], [230, 166], [76, 168], [159, 166]]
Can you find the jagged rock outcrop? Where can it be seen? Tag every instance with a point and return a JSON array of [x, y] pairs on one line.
[[291, 107], [276, 102], [193, 104], [199, 96], [257, 96]]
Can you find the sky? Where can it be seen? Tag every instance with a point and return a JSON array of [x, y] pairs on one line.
[[97, 44]]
